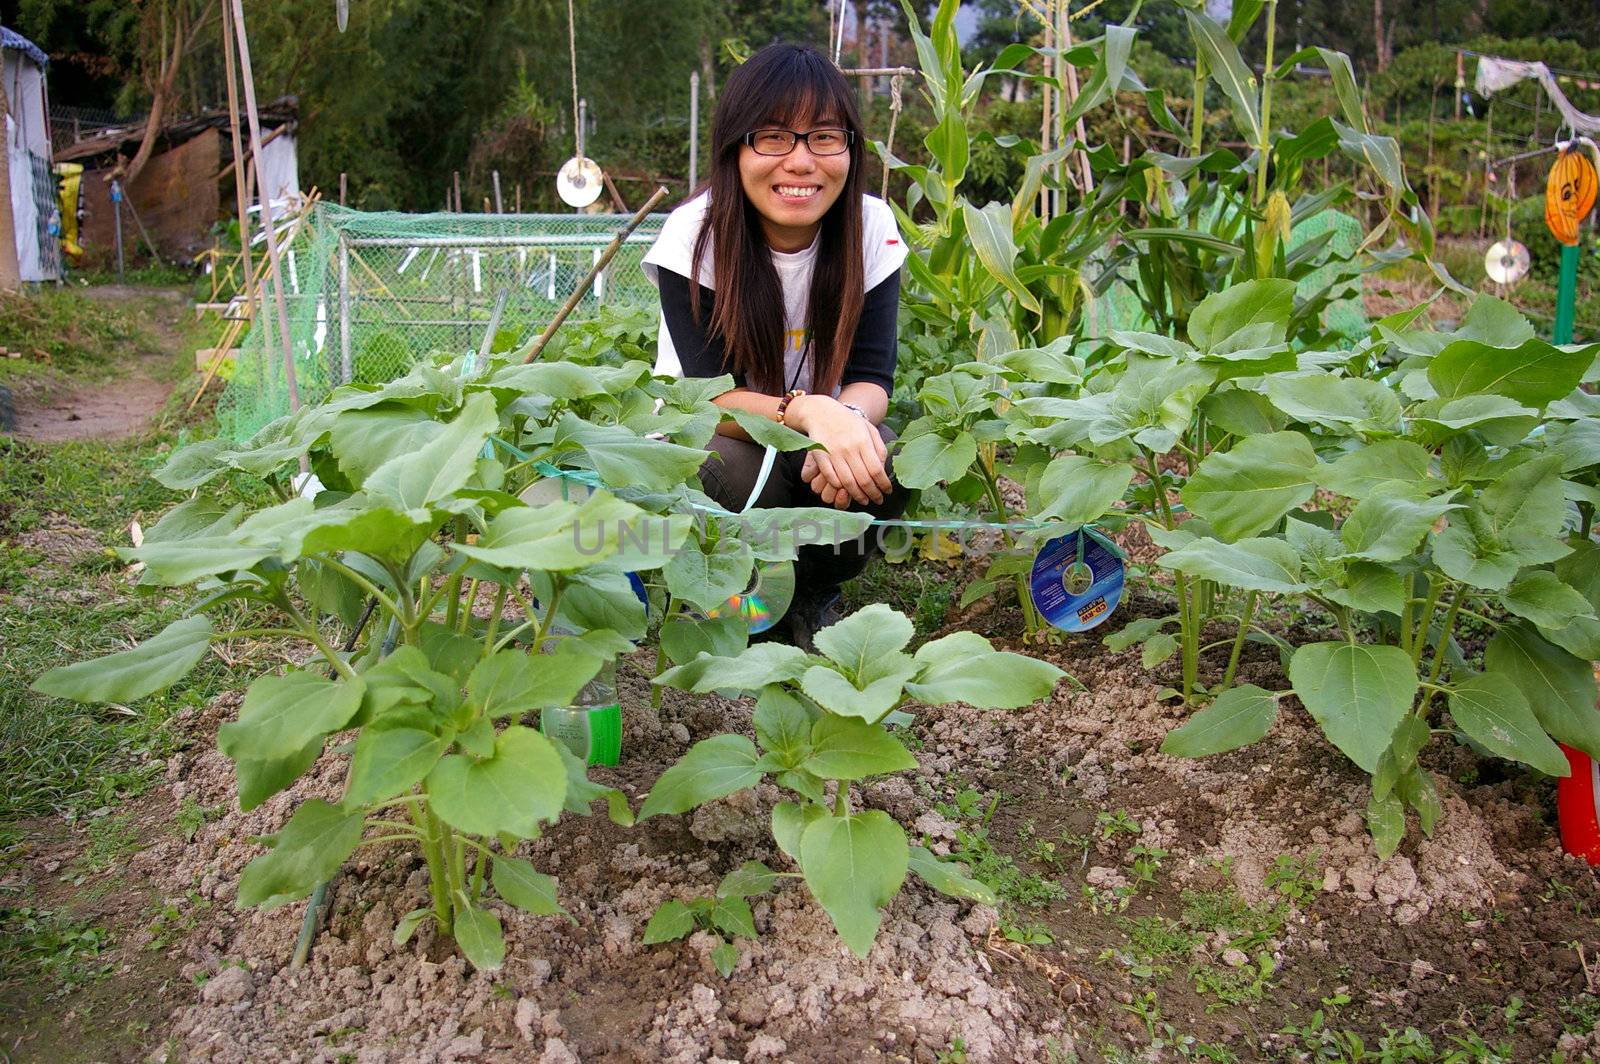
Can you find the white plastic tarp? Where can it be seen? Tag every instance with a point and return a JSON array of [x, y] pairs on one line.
[[1495, 74], [280, 170]]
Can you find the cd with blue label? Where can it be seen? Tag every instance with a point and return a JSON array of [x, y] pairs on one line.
[[1076, 580]]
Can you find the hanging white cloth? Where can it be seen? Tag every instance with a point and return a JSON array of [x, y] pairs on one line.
[[1495, 75]]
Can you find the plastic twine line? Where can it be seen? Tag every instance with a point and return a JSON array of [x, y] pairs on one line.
[[592, 480]]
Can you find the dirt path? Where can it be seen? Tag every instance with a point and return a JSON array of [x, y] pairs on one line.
[[123, 405]]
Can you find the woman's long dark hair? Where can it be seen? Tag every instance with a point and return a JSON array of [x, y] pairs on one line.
[[782, 83]]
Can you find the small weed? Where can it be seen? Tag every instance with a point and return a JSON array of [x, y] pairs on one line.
[[1032, 934], [1296, 878], [1110, 824], [967, 805], [191, 816], [172, 922], [111, 838], [1001, 873], [955, 1054], [1146, 863], [1236, 986]]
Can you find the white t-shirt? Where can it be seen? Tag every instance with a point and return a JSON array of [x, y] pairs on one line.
[[882, 253]]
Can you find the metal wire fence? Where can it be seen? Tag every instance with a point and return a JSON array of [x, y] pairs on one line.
[[370, 294]]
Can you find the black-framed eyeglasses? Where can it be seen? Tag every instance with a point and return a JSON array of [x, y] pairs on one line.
[[782, 141]]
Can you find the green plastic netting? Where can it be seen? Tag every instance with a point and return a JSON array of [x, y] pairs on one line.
[[368, 295]]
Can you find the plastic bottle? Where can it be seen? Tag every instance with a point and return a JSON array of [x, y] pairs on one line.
[[592, 726]]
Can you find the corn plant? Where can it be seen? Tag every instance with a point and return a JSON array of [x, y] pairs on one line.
[[822, 724]]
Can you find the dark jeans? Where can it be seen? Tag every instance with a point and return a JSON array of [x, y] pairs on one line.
[[730, 473]]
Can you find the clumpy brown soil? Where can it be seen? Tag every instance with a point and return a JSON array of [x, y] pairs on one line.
[[1442, 937]]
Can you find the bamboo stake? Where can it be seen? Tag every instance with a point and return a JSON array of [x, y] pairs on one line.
[[238, 149], [266, 201], [601, 263]]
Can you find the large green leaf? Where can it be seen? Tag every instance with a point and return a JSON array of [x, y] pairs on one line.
[[1534, 373], [512, 682], [1352, 404], [783, 726], [156, 664], [685, 638], [1376, 466], [708, 578], [1559, 688], [1222, 314], [1515, 521], [511, 792], [789, 822], [768, 433], [1581, 571], [865, 637], [1248, 489], [854, 865], [1251, 564], [414, 480], [176, 562], [519, 883], [752, 670], [1076, 489], [1357, 693], [965, 667], [363, 440], [308, 851], [1228, 69], [1238, 717], [989, 229], [1490, 708], [561, 536], [624, 458], [390, 761], [260, 780], [932, 458], [477, 932], [949, 877], [868, 695], [712, 768], [843, 748], [1387, 526], [1543, 598], [281, 714]]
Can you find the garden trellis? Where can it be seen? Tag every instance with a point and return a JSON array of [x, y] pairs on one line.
[[371, 294]]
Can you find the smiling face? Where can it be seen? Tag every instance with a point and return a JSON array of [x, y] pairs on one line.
[[792, 192]]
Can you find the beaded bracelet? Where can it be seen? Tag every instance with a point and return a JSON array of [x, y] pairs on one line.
[[783, 404]]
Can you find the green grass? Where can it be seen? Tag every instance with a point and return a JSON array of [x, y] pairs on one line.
[[61, 332]]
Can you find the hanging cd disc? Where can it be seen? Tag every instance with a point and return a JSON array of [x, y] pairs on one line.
[[579, 182], [765, 601], [1506, 262], [1075, 591]]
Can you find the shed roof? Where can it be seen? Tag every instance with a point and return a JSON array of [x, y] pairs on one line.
[[18, 43]]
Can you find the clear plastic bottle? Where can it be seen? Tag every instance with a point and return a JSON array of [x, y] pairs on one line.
[[592, 726]]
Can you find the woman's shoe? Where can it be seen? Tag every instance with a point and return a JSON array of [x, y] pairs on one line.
[[812, 613]]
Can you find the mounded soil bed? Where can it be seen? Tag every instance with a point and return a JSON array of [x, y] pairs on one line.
[[1441, 937]]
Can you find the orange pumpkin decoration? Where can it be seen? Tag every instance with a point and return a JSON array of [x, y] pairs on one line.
[[1569, 195]]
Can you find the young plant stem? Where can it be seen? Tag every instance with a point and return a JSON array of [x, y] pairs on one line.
[[494, 619], [1188, 621], [1405, 614], [673, 606], [841, 799], [1438, 651], [477, 873], [361, 581], [308, 631], [1238, 640], [1265, 146], [1420, 641], [991, 487], [433, 854], [452, 593]]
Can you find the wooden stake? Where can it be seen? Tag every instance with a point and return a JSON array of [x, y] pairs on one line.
[[499, 206], [266, 201], [457, 183], [343, 187]]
